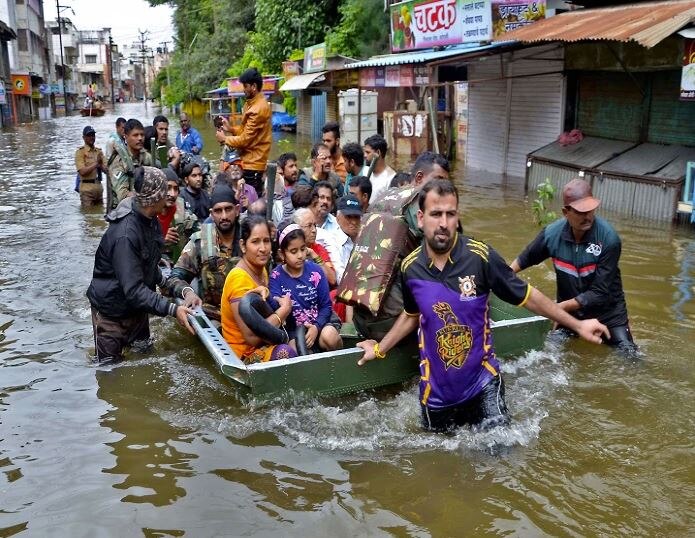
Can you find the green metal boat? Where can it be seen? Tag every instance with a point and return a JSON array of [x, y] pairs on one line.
[[515, 331]]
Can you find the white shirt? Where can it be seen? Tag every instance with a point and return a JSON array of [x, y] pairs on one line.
[[330, 224], [339, 246], [380, 182]]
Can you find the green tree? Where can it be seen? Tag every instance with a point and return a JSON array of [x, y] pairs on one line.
[[363, 30]]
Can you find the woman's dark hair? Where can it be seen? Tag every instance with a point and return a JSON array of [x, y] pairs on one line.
[[138, 178], [249, 223], [294, 234]]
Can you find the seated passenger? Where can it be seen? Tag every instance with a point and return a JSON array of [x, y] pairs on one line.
[[250, 275], [177, 222], [361, 188], [401, 179], [210, 255], [306, 284], [316, 252]]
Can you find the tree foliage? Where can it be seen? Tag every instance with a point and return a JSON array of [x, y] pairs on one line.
[[363, 30]]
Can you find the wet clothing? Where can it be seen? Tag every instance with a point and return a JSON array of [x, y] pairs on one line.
[[311, 301], [198, 202], [186, 142], [185, 223], [91, 192], [86, 156], [122, 165], [254, 136], [486, 410], [456, 349], [205, 258], [113, 335], [586, 271], [126, 273]]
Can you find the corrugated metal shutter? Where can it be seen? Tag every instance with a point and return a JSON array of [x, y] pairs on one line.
[[670, 121], [537, 107], [331, 106], [318, 115], [610, 105], [486, 121], [303, 113]]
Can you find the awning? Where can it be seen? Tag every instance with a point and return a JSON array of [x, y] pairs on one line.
[[646, 23], [7, 32], [420, 56], [302, 82]]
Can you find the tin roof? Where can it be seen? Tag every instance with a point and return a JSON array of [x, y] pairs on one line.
[[589, 153], [646, 23], [421, 56]]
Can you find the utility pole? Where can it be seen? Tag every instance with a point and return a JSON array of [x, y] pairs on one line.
[[113, 92], [143, 56], [62, 61], [166, 51]]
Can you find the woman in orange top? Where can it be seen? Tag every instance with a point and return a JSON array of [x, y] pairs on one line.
[[250, 275]]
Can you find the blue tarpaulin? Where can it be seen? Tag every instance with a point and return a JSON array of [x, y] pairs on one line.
[[284, 120]]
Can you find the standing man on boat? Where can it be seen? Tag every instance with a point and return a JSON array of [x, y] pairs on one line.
[[126, 272], [90, 163], [126, 159], [375, 147], [255, 134], [331, 138], [209, 255], [585, 250], [446, 286], [188, 138], [353, 155]]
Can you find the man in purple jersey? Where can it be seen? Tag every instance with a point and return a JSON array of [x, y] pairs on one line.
[[446, 286]]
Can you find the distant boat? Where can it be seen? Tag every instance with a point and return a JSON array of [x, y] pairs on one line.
[[92, 112]]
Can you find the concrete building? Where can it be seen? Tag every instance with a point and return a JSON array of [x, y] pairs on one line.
[[8, 34], [131, 73]]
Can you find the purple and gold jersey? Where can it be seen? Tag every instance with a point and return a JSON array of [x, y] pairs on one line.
[[457, 358]]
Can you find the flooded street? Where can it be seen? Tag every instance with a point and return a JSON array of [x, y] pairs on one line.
[[163, 445]]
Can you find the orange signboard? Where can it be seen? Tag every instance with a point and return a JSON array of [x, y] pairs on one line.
[[234, 86], [21, 84]]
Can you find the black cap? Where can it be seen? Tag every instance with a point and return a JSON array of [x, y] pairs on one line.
[[89, 130], [349, 205]]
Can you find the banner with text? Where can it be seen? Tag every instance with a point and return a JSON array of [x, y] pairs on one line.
[[422, 24], [510, 14], [688, 73]]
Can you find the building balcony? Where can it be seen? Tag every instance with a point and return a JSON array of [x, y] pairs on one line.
[[90, 68]]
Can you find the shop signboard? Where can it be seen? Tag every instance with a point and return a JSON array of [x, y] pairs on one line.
[[21, 84], [510, 14], [45, 89], [290, 69], [422, 24], [422, 76], [368, 77], [379, 77], [406, 76], [393, 76], [315, 58], [3, 96], [688, 73], [56, 87]]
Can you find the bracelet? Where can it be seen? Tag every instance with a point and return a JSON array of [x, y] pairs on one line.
[[279, 318], [378, 353], [183, 291]]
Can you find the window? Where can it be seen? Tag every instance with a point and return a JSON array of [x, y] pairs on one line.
[[22, 43], [90, 58]]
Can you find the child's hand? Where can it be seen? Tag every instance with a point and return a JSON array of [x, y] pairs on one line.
[[312, 332]]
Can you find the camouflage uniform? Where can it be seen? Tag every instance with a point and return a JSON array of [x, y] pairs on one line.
[[121, 169], [186, 224], [206, 259]]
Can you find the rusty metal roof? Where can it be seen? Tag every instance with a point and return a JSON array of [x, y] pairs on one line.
[[646, 23]]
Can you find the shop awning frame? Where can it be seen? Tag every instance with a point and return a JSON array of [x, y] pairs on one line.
[[646, 23], [302, 82], [423, 56]]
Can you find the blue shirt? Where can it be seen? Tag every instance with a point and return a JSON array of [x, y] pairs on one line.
[[311, 302], [189, 140]]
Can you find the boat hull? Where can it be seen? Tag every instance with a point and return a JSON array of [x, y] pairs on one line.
[[335, 373]]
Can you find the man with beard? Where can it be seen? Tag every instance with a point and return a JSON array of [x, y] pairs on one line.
[[585, 251], [288, 169], [125, 160], [126, 271], [446, 286], [324, 208], [321, 170], [176, 221], [331, 138], [254, 136], [209, 255], [375, 147], [188, 139], [284, 187], [353, 155]]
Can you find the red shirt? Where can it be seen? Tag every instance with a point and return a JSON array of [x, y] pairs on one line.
[[166, 218]]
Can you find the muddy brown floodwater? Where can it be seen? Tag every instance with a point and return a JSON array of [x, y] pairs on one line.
[[162, 445]]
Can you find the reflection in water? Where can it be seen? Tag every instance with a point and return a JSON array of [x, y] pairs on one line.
[[147, 454]]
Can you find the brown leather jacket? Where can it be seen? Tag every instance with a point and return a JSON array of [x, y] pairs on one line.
[[254, 136]]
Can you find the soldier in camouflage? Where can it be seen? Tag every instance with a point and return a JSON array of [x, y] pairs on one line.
[[177, 222], [210, 255], [124, 160]]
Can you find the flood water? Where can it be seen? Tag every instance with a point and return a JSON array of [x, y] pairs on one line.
[[162, 444]]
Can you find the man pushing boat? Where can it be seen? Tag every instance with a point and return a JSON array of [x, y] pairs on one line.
[[446, 286]]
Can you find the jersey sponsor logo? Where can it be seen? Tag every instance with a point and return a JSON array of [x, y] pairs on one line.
[[467, 287], [594, 249], [454, 340]]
